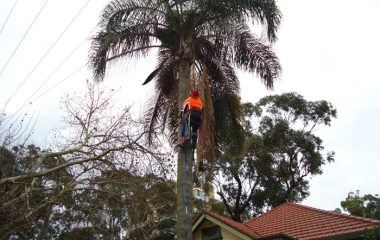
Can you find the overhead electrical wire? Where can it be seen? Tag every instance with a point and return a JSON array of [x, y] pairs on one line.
[[15, 50], [8, 118], [23, 37], [46, 53], [48, 78], [56, 69], [9, 14], [60, 82]]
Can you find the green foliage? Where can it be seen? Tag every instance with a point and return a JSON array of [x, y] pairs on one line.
[[20, 160], [289, 148], [88, 183], [103, 206], [191, 37], [363, 206], [371, 234], [228, 116], [281, 152], [151, 208], [78, 234], [211, 35]]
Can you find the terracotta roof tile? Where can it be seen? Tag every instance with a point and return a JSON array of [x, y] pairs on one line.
[[236, 225], [304, 222]]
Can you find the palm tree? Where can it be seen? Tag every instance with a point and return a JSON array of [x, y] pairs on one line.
[[201, 38]]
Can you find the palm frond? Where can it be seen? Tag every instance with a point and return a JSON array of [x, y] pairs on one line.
[[265, 12], [254, 56], [228, 117], [224, 79], [151, 76], [127, 29], [152, 114], [160, 114], [107, 46], [122, 13], [224, 92], [206, 143], [219, 39], [167, 79]]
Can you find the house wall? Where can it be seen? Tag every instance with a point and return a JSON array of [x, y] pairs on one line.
[[197, 235], [228, 235]]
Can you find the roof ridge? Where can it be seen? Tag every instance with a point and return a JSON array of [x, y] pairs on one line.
[[343, 215]]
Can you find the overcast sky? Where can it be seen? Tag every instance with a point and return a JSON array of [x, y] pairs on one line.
[[328, 49]]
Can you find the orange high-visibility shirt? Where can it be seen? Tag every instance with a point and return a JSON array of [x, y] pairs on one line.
[[194, 103]]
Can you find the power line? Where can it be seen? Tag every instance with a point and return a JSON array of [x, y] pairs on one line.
[[8, 118], [22, 39], [60, 82], [49, 77], [46, 53], [9, 14], [56, 69]]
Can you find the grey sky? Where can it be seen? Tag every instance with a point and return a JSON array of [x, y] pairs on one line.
[[328, 50]]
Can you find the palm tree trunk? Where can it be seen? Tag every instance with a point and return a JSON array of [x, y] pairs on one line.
[[184, 165]]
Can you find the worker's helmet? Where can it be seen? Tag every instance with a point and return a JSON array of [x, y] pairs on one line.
[[195, 92]]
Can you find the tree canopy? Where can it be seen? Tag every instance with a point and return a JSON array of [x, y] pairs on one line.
[[83, 180], [282, 151], [193, 38], [367, 205], [212, 36]]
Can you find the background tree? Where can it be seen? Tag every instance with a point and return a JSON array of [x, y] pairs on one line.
[[281, 152], [37, 185], [17, 161], [16, 128], [367, 205], [210, 36], [152, 213]]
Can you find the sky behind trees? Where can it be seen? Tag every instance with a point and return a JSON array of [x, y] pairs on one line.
[[328, 50]]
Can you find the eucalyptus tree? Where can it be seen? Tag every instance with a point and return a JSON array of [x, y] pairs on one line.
[[282, 152], [367, 205], [206, 38]]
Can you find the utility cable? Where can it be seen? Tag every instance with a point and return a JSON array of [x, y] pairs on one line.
[[60, 82], [46, 53], [50, 76], [23, 37], [15, 50], [9, 14], [7, 119]]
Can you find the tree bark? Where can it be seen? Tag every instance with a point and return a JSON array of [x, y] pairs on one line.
[[184, 164]]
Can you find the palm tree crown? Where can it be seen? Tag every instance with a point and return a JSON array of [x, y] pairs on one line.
[[199, 42], [210, 34]]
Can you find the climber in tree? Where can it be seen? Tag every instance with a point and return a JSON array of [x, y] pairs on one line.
[[192, 107]]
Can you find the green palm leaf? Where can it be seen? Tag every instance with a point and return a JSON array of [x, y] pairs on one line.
[[209, 34]]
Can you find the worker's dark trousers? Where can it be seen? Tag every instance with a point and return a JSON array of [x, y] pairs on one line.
[[195, 122]]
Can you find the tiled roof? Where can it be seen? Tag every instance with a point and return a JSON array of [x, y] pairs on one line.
[[236, 225], [304, 222]]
